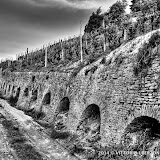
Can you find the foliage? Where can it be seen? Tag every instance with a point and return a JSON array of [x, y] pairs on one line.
[[158, 4], [18, 142], [145, 55], [154, 40], [135, 7], [144, 5], [112, 37], [131, 32], [92, 57], [92, 70], [103, 60], [59, 135], [115, 13], [76, 70], [94, 22]]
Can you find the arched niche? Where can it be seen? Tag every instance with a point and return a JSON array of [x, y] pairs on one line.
[[47, 99], [33, 78], [26, 92], [64, 105], [140, 132], [62, 114], [18, 92], [89, 124], [34, 95]]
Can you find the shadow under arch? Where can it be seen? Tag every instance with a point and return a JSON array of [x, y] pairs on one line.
[[89, 126], [26, 92], [34, 95], [47, 99], [64, 105], [14, 99], [62, 114], [18, 92], [140, 132]]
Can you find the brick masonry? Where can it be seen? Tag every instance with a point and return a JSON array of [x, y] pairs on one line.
[[120, 95]]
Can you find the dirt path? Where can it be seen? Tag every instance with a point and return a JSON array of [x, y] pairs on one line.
[[33, 133], [6, 152]]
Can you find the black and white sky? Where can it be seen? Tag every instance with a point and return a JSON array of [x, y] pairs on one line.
[[33, 23]]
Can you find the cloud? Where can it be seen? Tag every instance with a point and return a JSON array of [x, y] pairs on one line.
[[78, 4], [28, 24], [32, 23]]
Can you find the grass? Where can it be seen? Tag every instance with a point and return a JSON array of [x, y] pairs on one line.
[[17, 141], [92, 70], [13, 101], [145, 55]]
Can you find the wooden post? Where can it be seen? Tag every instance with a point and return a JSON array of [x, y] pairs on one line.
[[46, 59], [9, 63], [62, 54], [104, 39], [81, 52], [86, 41], [125, 34]]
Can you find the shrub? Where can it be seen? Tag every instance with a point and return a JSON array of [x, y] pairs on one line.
[[18, 142], [77, 70], [92, 70], [154, 40], [145, 55], [103, 61], [59, 135], [119, 60]]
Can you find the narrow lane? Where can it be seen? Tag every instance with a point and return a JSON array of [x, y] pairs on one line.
[[6, 152], [35, 135]]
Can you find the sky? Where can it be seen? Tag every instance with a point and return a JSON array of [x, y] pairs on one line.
[[34, 23]]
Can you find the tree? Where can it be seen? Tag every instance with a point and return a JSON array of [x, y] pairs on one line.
[[135, 6], [94, 22], [144, 5], [158, 4], [116, 12]]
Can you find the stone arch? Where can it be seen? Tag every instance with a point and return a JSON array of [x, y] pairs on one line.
[[34, 95], [141, 131], [62, 114], [26, 92], [47, 99], [89, 125]]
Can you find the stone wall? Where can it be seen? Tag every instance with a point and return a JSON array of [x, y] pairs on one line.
[[109, 83]]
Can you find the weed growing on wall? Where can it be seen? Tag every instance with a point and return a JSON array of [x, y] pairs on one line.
[[145, 55]]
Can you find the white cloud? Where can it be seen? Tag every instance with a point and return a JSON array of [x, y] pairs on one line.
[[79, 4]]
